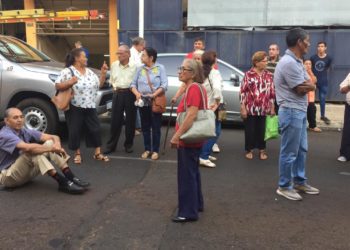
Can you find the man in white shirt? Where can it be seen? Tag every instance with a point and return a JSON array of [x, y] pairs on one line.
[[138, 45], [122, 74]]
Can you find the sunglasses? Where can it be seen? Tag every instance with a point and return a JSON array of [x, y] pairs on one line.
[[182, 69]]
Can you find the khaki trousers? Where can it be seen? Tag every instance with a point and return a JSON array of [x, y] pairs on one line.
[[28, 166]]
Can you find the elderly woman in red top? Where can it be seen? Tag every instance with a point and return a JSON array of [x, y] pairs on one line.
[[257, 101], [188, 177]]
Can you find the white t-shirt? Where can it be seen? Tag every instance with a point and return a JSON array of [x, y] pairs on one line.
[[135, 57], [345, 83], [213, 86]]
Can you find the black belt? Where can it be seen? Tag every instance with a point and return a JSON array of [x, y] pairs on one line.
[[121, 90]]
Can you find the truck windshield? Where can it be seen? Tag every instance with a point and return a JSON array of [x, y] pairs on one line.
[[17, 51]]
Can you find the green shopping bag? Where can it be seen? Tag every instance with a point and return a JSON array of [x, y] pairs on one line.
[[271, 128]]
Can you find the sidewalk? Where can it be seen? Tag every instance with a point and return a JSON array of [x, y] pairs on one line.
[[334, 112]]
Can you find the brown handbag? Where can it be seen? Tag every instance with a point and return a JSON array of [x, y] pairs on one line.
[[63, 97], [158, 102]]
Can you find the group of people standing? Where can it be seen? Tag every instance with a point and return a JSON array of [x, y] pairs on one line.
[[285, 86]]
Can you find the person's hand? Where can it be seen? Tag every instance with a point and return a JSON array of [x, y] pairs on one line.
[[173, 100], [244, 113], [213, 107], [272, 112], [57, 149], [73, 80], [138, 96], [174, 142], [104, 68]]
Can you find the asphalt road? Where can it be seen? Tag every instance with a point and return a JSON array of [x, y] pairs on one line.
[[131, 201]]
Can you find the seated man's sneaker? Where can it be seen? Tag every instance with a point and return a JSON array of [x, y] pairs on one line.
[[290, 194], [307, 189], [70, 188], [80, 182]]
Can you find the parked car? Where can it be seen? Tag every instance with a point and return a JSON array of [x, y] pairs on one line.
[[232, 78], [27, 82]]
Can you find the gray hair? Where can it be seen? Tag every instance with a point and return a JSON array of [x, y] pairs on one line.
[[137, 40], [9, 110], [197, 70], [125, 47]]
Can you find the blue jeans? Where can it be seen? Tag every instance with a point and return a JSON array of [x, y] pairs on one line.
[[150, 123], [322, 94], [292, 123], [207, 147]]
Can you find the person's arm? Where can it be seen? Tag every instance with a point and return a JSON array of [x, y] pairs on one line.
[[344, 87], [104, 69], [134, 84], [304, 88], [62, 83], [243, 111], [179, 92], [163, 82], [56, 140], [216, 81], [191, 115]]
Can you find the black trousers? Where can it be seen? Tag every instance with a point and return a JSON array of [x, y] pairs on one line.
[[83, 120], [311, 115], [123, 102], [254, 130], [345, 139]]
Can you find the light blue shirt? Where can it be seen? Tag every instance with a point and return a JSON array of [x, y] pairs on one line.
[[289, 73], [157, 77]]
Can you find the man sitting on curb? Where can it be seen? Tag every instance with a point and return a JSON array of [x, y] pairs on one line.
[[22, 159]]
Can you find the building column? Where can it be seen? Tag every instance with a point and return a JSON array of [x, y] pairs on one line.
[[31, 26], [113, 30]]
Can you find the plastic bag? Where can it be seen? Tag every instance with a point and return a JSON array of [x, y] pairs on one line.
[[271, 128]]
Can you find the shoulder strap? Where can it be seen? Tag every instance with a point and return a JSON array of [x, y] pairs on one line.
[[202, 94], [149, 81], [71, 71]]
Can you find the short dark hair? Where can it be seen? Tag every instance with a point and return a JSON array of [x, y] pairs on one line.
[[70, 57], [137, 40], [322, 42], [294, 35], [8, 111], [151, 52], [199, 39]]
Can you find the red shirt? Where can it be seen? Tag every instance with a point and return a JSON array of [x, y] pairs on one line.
[[257, 92], [194, 98]]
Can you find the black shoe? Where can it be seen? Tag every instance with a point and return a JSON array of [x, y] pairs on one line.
[[70, 188], [80, 182], [179, 219], [108, 151], [129, 150], [326, 120]]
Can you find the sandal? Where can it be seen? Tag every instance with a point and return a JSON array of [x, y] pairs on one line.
[[263, 155], [249, 155], [77, 159], [101, 157]]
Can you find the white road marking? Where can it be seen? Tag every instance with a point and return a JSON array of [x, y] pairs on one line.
[[140, 159], [344, 173]]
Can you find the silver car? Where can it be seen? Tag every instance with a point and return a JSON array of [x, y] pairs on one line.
[[232, 78], [27, 82]]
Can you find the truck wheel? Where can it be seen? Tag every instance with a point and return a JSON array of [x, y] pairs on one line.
[[39, 115]]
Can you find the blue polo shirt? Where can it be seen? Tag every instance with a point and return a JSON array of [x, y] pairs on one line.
[[9, 139], [289, 73]]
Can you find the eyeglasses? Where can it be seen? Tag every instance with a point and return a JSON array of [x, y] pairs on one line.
[[264, 61], [182, 69]]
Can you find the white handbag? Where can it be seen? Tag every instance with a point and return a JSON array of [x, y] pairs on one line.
[[203, 127]]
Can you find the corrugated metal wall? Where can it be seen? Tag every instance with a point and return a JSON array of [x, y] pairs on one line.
[[159, 15], [237, 47]]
